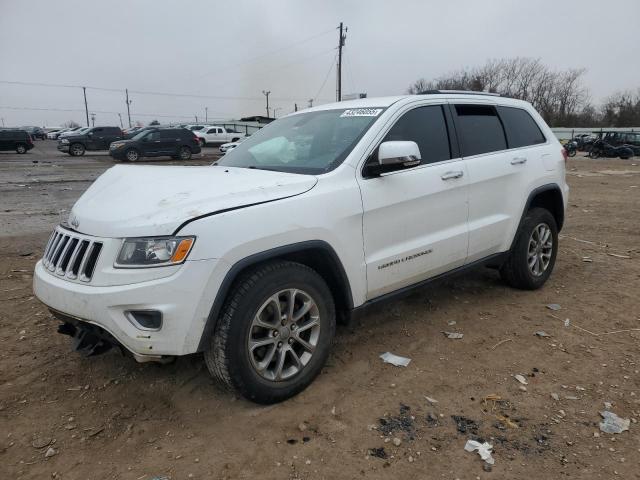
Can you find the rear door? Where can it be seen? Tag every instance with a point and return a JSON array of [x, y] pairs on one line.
[[499, 147], [96, 139], [415, 220], [151, 144], [169, 141]]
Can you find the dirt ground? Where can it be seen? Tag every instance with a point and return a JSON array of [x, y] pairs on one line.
[[108, 417]]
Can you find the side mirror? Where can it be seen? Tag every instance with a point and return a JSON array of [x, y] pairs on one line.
[[399, 153]]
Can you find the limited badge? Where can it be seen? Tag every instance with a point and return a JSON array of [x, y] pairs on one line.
[[362, 112]]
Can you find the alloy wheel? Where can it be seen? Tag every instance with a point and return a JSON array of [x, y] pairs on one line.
[[540, 249], [284, 334]]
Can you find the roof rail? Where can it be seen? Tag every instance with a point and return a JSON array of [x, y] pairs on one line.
[[463, 92]]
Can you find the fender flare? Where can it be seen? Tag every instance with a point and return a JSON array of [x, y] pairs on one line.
[[256, 258]]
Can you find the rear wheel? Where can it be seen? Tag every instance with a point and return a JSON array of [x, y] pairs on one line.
[[184, 153], [274, 333], [571, 153], [202, 142], [132, 155], [533, 255], [21, 148], [76, 149]]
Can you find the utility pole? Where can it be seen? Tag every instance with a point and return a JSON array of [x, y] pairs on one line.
[[206, 114], [86, 109], [275, 110], [3, 122], [120, 117], [93, 119], [341, 39], [266, 94], [295, 107], [196, 118], [128, 103], [310, 102]]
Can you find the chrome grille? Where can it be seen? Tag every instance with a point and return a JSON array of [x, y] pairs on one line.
[[70, 256]]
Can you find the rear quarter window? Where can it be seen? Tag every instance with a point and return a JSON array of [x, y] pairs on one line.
[[521, 129]]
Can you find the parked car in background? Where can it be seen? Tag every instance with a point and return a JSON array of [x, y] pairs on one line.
[[35, 132], [73, 131], [54, 134], [14, 139], [322, 216], [94, 138], [177, 143], [132, 132], [217, 135], [227, 147], [195, 128]]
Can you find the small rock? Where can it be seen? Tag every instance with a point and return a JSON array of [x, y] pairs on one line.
[[453, 335], [554, 306], [397, 441], [41, 442], [541, 334], [555, 396], [410, 459], [308, 462], [302, 426], [522, 388], [50, 452]]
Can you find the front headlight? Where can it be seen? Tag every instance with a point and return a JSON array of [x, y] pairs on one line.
[[64, 140], [153, 252]]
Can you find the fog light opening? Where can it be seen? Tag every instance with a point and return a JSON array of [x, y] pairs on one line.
[[147, 320]]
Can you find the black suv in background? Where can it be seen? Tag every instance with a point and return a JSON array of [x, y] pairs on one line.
[[18, 140], [96, 138], [177, 143]]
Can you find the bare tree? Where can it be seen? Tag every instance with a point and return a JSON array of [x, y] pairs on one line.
[[70, 124]]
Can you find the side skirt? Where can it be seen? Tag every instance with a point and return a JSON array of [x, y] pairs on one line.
[[492, 261]]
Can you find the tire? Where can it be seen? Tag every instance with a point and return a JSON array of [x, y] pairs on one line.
[[594, 153], [21, 148], [229, 357], [76, 150], [517, 271], [184, 153], [571, 153], [234, 140], [132, 155], [202, 142]]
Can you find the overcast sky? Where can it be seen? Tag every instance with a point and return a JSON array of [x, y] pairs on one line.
[[239, 48]]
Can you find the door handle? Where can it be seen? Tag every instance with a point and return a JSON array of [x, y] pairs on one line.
[[518, 161], [452, 175]]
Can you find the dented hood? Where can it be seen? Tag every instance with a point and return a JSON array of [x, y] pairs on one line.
[[140, 200]]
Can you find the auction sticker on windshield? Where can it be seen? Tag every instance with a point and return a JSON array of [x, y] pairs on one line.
[[362, 112]]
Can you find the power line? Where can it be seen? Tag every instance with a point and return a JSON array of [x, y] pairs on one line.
[[75, 110], [333, 62]]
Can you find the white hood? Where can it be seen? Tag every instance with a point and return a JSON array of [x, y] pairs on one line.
[[140, 200]]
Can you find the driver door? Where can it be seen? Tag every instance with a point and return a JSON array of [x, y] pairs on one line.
[[415, 220]]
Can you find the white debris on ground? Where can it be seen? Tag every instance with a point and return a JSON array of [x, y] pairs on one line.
[[521, 379], [453, 335], [398, 361], [484, 450], [612, 423]]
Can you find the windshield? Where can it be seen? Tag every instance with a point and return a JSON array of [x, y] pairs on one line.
[[310, 143]]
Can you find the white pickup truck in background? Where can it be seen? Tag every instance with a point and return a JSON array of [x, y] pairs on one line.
[[217, 135]]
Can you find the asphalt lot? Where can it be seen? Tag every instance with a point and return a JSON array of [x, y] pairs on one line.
[[108, 417]]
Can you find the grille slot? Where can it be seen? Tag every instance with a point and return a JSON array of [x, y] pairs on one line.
[[70, 256]]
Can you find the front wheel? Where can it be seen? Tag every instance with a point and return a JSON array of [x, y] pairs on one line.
[[76, 150], [274, 333], [132, 155], [594, 153], [571, 153], [20, 148], [533, 255]]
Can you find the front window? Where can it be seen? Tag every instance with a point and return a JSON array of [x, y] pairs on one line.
[[310, 143]]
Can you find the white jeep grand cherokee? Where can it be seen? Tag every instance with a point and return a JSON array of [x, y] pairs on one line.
[[317, 216]]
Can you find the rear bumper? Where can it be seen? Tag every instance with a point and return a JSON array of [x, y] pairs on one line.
[[180, 297]]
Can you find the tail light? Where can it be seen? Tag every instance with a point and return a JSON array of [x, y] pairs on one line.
[[565, 155], [196, 139]]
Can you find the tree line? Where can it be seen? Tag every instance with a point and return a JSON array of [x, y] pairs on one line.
[[560, 96]]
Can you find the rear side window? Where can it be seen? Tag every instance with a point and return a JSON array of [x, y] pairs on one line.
[[427, 127], [479, 129], [169, 133]]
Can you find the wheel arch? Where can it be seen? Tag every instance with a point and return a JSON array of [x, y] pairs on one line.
[[546, 196], [316, 254]]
